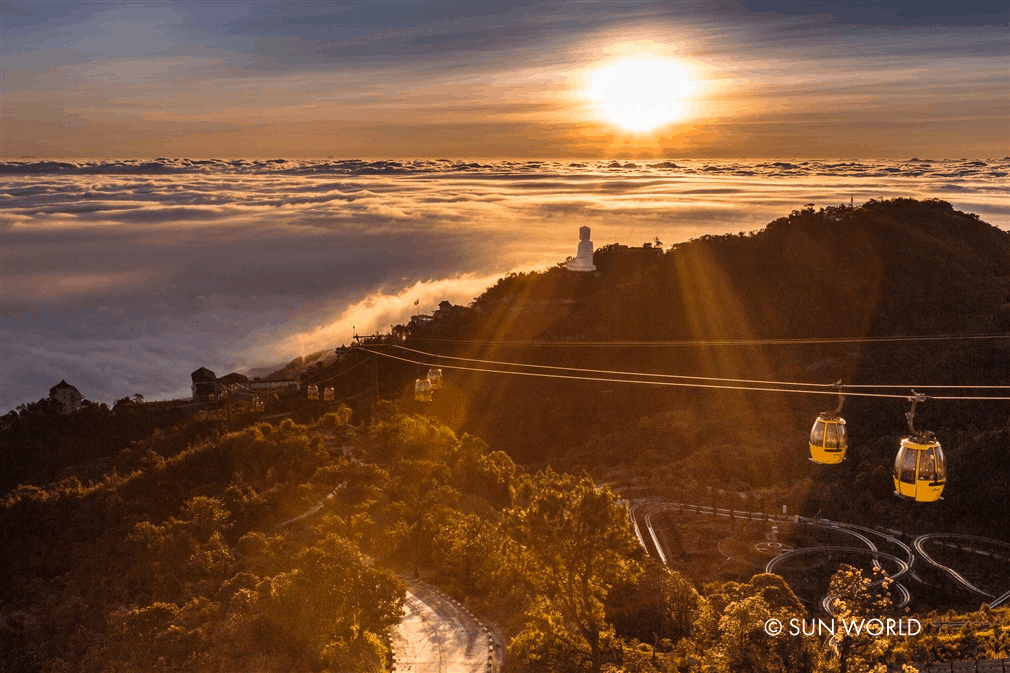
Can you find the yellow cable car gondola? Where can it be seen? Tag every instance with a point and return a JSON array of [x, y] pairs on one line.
[[313, 392], [435, 376], [828, 436], [920, 471], [328, 394], [422, 390]]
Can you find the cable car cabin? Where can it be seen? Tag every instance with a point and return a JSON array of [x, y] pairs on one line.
[[435, 376], [328, 394], [422, 390], [313, 392], [919, 469], [258, 404], [828, 440]]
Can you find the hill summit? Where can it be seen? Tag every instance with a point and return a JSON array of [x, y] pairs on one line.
[[884, 268], [894, 292]]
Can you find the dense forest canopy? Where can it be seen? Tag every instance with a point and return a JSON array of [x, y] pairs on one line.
[[284, 547]]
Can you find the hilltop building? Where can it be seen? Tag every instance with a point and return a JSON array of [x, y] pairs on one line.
[[69, 397], [446, 309], [234, 379], [204, 384], [421, 320]]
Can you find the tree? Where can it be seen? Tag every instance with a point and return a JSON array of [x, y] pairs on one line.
[[738, 613], [659, 604], [855, 598], [579, 543], [173, 557], [468, 552], [745, 647], [484, 473], [422, 502], [335, 603]]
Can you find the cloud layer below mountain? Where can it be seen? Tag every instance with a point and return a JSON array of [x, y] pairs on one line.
[[123, 277]]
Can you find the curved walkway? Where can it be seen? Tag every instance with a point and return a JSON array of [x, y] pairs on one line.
[[439, 635]]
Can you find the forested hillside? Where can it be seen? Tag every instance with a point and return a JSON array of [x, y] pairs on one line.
[[283, 547], [212, 541], [803, 300]]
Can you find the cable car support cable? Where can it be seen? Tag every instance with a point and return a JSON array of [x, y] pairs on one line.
[[720, 342], [644, 381], [836, 386]]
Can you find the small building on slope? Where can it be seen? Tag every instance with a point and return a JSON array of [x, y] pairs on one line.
[[68, 397]]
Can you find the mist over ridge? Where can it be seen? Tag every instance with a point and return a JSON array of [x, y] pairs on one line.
[[912, 167], [124, 276]]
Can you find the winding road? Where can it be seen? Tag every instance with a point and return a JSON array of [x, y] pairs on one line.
[[439, 635]]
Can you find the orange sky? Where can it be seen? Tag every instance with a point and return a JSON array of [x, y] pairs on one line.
[[786, 79]]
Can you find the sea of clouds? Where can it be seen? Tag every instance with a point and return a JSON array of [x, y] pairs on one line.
[[123, 277]]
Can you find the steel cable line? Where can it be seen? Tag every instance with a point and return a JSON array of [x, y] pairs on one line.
[[340, 373], [610, 371], [675, 384], [936, 387], [720, 342], [670, 383], [845, 388]]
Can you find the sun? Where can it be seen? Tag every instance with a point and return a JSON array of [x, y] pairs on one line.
[[641, 93]]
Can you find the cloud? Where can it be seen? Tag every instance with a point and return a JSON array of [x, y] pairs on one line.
[[125, 276], [36, 286], [376, 312], [889, 14]]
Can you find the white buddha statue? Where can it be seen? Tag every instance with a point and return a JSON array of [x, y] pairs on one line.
[[584, 259]]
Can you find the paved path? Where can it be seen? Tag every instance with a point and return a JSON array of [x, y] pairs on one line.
[[438, 635]]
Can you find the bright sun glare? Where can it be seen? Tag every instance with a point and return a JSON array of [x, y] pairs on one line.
[[641, 93]]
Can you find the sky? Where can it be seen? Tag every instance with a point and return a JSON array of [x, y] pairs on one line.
[[789, 78]]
